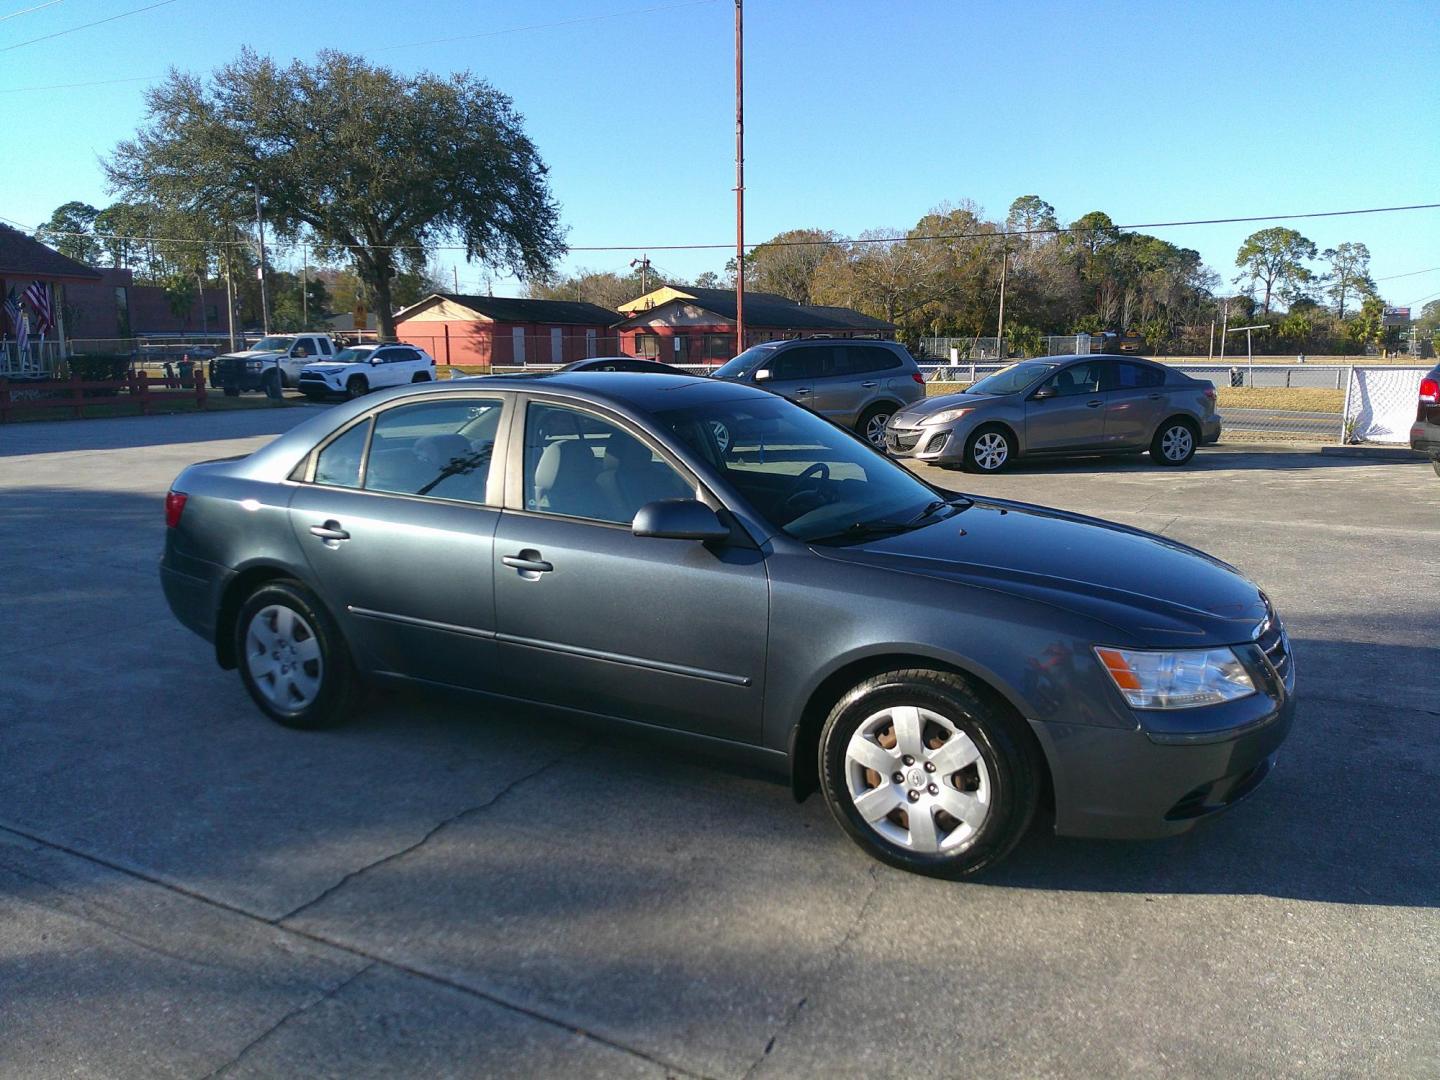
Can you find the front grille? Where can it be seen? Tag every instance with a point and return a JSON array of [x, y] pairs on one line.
[[1271, 638], [901, 440]]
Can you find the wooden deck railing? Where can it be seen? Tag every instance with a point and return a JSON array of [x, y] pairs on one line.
[[76, 394]]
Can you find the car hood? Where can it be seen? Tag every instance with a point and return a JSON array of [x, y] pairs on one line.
[[1148, 589], [930, 405], [251, 354], [326, 365]]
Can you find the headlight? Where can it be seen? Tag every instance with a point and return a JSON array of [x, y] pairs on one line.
[[254, 365], [946, 416], [1177, 680]]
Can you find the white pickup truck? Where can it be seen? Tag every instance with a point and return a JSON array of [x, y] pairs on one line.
[[279, 356]]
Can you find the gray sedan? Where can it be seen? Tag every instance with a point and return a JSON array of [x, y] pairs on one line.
[[939, 667], [1061, 405]]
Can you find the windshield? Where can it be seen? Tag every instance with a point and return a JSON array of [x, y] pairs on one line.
[[802, 473], [273, 344], [1013, 379], [746, 360], [354, 356]]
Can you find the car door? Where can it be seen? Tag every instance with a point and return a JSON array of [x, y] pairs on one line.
[[1066, 411], [593, 618], [1134, 403], [845, 385], [795, 372], [397, 520]]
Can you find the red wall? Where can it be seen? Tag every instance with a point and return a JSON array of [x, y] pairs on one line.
[[458, 341]]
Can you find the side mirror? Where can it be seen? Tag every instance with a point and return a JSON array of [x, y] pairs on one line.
[[678, 519], [1043, 393], [761, 375], [375, 360]]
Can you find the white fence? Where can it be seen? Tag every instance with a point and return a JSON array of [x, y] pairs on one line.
[[1380, 404]]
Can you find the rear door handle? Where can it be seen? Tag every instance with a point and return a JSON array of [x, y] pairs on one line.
[[870, 385], [330, 532], [798, 391], [528, 562], [1094, 404]]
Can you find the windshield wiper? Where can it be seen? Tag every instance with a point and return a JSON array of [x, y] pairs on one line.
[[959, 502]]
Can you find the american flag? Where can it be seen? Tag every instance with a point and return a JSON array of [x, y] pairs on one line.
[[12, 311], [39, 296]]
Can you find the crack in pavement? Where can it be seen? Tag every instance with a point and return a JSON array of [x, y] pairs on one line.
[[313, 937], [793, 1013], [291, 1015], [451, 820]]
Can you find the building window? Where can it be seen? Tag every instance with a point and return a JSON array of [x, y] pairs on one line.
[[647, 345], [719, 346]]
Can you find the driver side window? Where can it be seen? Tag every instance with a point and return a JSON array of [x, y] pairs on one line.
[[1075, 380]]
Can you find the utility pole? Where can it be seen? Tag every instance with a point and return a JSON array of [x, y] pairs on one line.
[[739, 176], [1224, 323], [229, 287], [264, 300], [644, 264], [455, 276], [1000, 326], [305, 284]]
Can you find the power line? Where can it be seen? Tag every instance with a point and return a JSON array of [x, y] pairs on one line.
[[86, 26], [28, 10], [842, 242], [546, 26], [72, 85], [1412, 273]]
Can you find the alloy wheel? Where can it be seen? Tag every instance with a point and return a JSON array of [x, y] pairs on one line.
[[282, 655], [918, 780], [991, 451], [1177, 443], [875, 429]]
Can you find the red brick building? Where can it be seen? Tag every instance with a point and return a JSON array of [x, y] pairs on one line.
[[457, 329], [681, 324]]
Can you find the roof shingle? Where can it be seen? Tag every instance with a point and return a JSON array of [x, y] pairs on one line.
[[24, 257]]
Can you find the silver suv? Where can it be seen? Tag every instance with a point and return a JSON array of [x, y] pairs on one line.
[[858, 384]]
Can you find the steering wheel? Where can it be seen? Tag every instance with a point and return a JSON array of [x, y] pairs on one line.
[[808, 483]]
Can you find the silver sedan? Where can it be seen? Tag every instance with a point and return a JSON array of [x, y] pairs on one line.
[[1061, 405]]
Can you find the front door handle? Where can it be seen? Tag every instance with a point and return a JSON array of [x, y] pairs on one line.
[[528, 562], [800, 391], [1155, 397], [1094, 404], [870, 385], [330, 532]]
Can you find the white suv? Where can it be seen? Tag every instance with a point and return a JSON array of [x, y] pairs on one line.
[[362, 368]]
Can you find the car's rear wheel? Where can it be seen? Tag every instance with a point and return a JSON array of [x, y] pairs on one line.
[[990, 450], [925, 775], [872, 424], [420, 376], [357, 386], [1174, 443], [291, 657]]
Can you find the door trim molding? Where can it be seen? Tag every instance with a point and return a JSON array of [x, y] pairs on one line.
[[629, 661]]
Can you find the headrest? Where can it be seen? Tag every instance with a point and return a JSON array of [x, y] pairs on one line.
[[441, 449]]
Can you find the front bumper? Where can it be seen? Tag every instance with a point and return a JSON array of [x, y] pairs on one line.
[[314, 386], [941, 443]]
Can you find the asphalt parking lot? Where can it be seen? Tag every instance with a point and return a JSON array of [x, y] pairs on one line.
[[439, 888]]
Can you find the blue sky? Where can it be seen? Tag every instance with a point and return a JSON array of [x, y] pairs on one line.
[[858, 114]]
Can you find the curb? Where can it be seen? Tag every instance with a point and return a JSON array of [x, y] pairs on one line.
[[1378, 453]]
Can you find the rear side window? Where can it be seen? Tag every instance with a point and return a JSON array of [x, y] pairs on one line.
[[325, 346], [442, 449], [338, 465], [1133, 377], [861, 359]]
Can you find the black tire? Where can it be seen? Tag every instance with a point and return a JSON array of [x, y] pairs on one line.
[[1174, 443], [1435, 464], [1010, 780], [879, 412], [231, 390], [419, 376], [981, 454], [357, 386], [332, 670]]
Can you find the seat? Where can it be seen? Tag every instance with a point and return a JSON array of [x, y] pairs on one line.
[[631, 477], [565, 481]]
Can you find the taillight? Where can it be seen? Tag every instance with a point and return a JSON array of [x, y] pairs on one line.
[[1430, 391], [174, 507], [1210, 392], [918, 377]]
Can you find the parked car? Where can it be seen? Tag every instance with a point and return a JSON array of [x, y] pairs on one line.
[[279, 357], [362, 368], [858, 384], [624, 363], [1425, 435], [936, 665], [1110, 342], [1061, 405]]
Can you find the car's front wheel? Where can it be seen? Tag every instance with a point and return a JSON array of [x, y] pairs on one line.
[[1174, 443], [357, 386], [925, 775], [990, 450], [291, 657]]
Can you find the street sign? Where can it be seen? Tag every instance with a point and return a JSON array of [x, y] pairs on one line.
[[1395, 316]]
